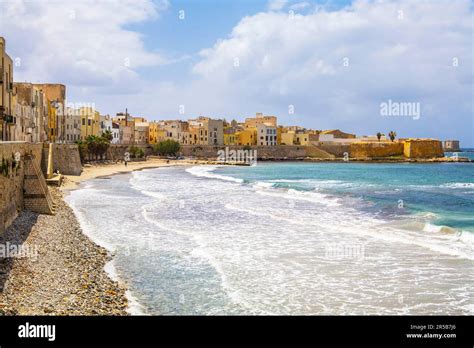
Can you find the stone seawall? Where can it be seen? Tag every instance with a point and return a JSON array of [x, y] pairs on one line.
[[12, 176], [375, 150], [423, 148], [66, 159], [116, 152], [263, 152]]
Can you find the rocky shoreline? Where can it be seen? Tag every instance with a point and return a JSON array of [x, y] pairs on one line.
[[60, 271]]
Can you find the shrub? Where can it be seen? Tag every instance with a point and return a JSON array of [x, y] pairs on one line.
[[167, 147]]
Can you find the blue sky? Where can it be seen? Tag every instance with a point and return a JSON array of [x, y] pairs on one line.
[[333, 62]]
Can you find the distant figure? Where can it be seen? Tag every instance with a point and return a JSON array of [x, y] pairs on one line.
[[125, 162]]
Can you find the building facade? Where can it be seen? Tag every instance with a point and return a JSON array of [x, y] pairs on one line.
[[7, 120]]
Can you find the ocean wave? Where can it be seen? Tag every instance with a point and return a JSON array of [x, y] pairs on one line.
[[456, 185], [207, 172], [314, 197], [153, 194]]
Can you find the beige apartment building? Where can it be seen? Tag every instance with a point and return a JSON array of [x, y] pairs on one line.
[[73, 125], [55, 93], [260, 119], [141, 132], [266, 135], [206, 131], [32, 112], [7, 119]]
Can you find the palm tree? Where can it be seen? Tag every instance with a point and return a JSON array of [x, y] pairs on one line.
[[107, 135], [392, 135], [379, 135]]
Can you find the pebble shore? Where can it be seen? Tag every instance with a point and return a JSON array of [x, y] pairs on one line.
[[64, 271]]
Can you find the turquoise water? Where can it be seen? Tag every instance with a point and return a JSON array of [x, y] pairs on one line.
[[288, 238], [444, 192], [469, 153]]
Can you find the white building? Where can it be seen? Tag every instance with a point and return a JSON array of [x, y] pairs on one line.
[[116, 133], [266, 135], [73, 125]]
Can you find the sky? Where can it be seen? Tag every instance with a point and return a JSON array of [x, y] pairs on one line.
[[319, 64]]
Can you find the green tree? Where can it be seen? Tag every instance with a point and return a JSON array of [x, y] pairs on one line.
[[136, 152], [392, 135], [167, 147], [93, 147], [379, 136], [108, 135]]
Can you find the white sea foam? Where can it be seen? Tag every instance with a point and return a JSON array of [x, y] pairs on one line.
[[269, 255], [207, 172], [456, 185]]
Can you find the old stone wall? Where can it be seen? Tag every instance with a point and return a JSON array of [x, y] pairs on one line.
[[375, 149], [12, 179], [66, 159], [423, 148], [116, 152], [263, 152], [335, 149]]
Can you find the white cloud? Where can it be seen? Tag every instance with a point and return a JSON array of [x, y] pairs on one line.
[[82, 42], [283, 60], [277, 5], [299, 60], [300, 5]]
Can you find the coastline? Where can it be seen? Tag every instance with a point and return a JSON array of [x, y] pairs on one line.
[[64, 275], [73, 274], [67, 273], [93, 171]]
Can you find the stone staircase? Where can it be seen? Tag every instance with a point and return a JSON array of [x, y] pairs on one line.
[[36, 196]]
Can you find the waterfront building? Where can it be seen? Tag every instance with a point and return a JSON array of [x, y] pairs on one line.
[[141, 132], [451, 145], [116, 133], [287, 138], [260, 119], [127, 127], [266, 135], [155, 132], [208, 131], [336, 134], [73, 125], [247, 136], [90, 122], [105, 124], [55, 93], [7, 119], [31, 111], [230, 137]]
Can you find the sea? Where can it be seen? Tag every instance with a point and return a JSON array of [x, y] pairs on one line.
[[288, 238]]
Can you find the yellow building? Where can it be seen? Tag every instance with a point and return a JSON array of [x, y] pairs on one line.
[[52, 121], [230, 137], [90, 122], [247, 137], [155, 133], [287, 138]]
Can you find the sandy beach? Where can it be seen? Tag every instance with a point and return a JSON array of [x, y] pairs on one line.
[[91, 171]]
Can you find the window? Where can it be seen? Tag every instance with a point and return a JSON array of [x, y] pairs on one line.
[[83, 121], [88, 122]]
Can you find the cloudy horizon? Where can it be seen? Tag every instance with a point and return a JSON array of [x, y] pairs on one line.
[[319, 64]]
